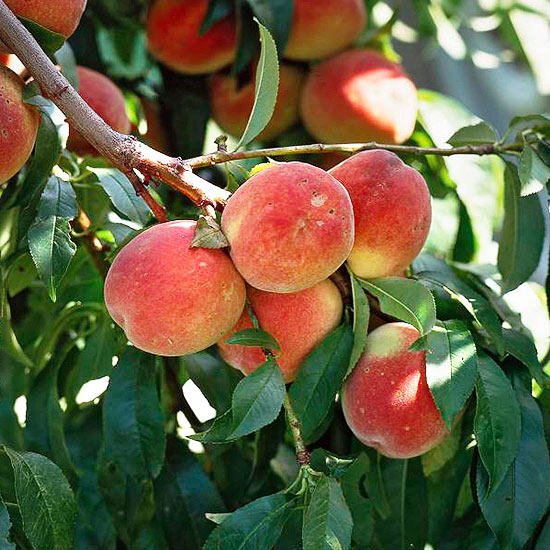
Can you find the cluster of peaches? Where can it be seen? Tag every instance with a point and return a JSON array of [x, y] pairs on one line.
[[353, 95], [290, 227]]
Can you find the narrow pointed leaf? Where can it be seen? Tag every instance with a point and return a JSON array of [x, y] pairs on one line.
[[361, 315]]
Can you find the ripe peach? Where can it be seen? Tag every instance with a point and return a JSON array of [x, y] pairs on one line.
[[106, 99], [289, 226], [231, 106], [392, 209], [169, 298], [60, 17], [173, 33], [298, 321], [359, 96], [18, 125], [386, 400], [320, 29]]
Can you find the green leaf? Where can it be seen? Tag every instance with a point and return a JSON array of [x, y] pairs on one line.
[[521, 347], [256, 402], [49, 41], [497, 424], [320, 378], [184, 494], [327, 520], [122, 194], [543, 542], [254, 337], [451, 367], [49, 238], [478, 179], [256, 526], [473, 135], [44, 432], [476, 305], [361, 315], [516, 507], [267, 84], [208, 234], [405, 299], [216, 379], [133, 422], [527, 122], [276, 15], [96, 359], [5, 526], [522, 233], [533, 172], [44, 499], [407, 523]]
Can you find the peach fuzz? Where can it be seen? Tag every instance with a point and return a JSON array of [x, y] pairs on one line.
[[60, 17], [173, 34], [289, 227], [386, 400], [298, 321], [106, 99], [18, 125], [231, 106], [172, 299], [359, 96], [392, 209], [320, 29]]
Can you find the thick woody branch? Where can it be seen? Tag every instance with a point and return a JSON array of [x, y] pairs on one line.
[[125, 152]]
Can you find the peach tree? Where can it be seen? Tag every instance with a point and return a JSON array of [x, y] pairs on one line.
[[258, 290]]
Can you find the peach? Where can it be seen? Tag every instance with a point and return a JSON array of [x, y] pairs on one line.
[[18, 125], [289, 227], [298, 321], [106, 99], [386, 400], [359, 96], [174, 38], [392, 209], [320, 29], [60, 17], [231, 106], [169, 298]]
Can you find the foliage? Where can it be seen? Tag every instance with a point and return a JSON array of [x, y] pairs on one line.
[[123, 462]]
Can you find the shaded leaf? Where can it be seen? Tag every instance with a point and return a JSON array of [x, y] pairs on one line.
[[276, 16], [361, 315], [511, 510], [45, 501], [405, 299], [5, 526], [521, 347], [122, 194], [256, 526], [320, 378], [49, 238], [133, 423], [497, 424], [522, 235], [184, 494]]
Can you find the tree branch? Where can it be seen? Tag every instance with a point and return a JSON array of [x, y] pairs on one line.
[[351, 148], [125, 152]]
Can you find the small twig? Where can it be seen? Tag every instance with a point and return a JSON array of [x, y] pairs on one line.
[[141, 190], [91, 243], [302, 454], [484, 149]]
